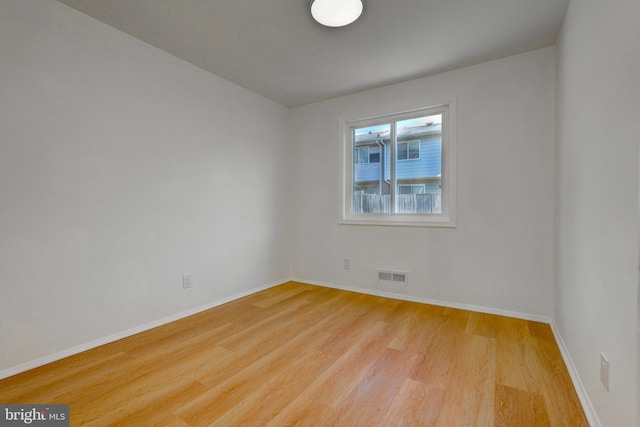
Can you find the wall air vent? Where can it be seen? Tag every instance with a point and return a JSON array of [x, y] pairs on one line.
[[399, 277]]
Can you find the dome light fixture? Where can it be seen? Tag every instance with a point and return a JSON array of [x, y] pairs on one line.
[[336, 13]]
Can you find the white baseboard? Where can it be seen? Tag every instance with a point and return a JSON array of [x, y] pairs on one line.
[[23, 367], [404, 297], [587, 406]]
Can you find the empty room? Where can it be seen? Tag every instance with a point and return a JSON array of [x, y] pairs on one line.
[[221, 212]]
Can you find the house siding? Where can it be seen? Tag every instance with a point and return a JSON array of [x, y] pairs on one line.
[[429, 165]]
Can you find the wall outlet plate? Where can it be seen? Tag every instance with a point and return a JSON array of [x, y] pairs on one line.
[[187, 281]]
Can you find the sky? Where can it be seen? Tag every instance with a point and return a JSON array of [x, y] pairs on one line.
[[418, 121]]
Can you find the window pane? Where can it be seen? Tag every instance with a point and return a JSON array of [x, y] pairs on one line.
[[370, 188], [402, 151], [419, 181], [404, 189], [362, 155], [414, 149]]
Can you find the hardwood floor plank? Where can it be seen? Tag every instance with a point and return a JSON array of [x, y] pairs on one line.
[[439, 351], [370, 399], [541, 331], [304, 355], [147, 369], [519, 408], [245, 395], [155, 382], [333, 384], [280, 296], [512, 337], [357, 341], [143, 409], [274, 395], [416, 404], [58, 380], [416, 326], [281, 341], [470, 393], [169, 421], [553, 382], [340, 325], [511, 367]]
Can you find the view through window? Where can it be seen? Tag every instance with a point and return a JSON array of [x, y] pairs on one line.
[[398, 165]]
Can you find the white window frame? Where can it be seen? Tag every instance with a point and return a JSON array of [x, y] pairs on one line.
[[447, 218]]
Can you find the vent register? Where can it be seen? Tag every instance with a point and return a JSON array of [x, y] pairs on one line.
[[392, 276]]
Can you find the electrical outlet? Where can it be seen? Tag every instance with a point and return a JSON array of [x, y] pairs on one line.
[[187, 281], [346, 264], [604, 371]]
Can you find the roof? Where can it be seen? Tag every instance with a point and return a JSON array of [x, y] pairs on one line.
[[404, 133]]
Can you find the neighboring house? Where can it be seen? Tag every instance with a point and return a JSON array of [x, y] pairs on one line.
[[418, 162]]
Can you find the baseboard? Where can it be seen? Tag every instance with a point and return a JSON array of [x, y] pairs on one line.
[[587, 406], [23, 367], [403, 297]]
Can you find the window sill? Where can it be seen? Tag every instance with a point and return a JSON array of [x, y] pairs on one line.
[[399, 220]]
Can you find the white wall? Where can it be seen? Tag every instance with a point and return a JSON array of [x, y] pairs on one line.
[[122, 168], [598, 128], [500, 255]]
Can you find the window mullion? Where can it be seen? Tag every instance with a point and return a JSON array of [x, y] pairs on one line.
[[393, 154]]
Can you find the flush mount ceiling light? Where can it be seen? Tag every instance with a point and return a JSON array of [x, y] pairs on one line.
[[336, 13]]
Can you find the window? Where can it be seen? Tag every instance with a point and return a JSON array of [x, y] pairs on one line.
[[399, 169], [367, 155], [411, 188], [362, 155], [408, 150]]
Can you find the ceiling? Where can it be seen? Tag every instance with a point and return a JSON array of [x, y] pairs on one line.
[[275, 49]]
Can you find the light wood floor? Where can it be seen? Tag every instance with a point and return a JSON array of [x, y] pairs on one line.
[[304, 355]]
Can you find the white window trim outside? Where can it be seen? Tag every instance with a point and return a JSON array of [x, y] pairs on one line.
[[447, 218]]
